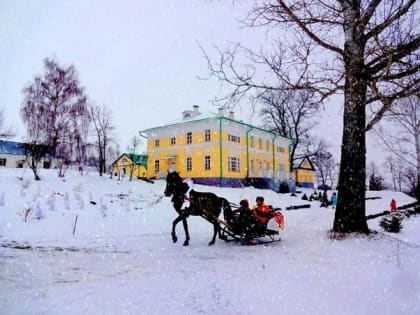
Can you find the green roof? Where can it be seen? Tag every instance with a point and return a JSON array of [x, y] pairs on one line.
[[208, 116], [136, 158]]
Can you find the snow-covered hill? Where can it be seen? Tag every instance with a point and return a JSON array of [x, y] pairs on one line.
[[118, 257]]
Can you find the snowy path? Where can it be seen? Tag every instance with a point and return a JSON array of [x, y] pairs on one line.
[[147, 274], [125, 262]]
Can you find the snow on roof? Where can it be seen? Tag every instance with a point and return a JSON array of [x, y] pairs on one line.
[[11, 147]]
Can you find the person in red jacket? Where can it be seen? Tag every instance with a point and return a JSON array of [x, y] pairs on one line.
[[393, 205], [261, 210]]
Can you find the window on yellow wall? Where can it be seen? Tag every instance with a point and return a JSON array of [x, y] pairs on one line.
[[173, 140], [207, 135], [189, 137], [233, 164], [267, 145], [281, 168], [251, 140], [259, 143], [157, 142], [189, 164], [207, 162], [157, 166], [233, 138]]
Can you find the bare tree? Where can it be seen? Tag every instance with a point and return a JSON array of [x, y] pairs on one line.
[[54, 109], [396, 169], [290, 113], [410, 179], [103, 129], [325, 164], [367, 49], [113, 153], [132, 149], [34, 153], [376, 181], [404, 139], [5, 131]]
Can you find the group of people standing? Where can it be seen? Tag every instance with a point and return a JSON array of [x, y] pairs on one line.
[[323, 198]]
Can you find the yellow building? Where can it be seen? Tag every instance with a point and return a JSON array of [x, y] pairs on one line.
[[304, 173], [217, 150], [130, 164]]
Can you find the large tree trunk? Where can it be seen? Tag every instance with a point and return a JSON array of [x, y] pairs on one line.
[[350, 215], [417, 144]]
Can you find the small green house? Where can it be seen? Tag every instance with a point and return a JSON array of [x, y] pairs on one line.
[[129, 164]]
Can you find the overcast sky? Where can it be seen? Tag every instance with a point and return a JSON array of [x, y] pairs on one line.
[[140, 58]]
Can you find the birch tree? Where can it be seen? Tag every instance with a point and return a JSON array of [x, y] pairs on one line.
[[54, 109]]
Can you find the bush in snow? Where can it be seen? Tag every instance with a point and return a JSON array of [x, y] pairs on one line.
[[392, 224], [25, 213]]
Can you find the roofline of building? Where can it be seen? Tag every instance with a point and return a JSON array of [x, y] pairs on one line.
[[218, 118], [125, 154]]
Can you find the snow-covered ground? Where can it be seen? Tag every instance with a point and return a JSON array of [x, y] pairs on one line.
[[121, 259]]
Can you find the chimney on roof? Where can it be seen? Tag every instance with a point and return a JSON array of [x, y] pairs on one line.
[[221, 111], [189, 114], [232, 115]]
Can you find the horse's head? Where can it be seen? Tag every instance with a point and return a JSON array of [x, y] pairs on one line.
[[173, 183]]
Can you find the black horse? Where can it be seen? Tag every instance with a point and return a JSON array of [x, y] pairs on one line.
[[205, 204]]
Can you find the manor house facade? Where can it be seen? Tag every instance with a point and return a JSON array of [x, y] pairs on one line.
[[219, 150]]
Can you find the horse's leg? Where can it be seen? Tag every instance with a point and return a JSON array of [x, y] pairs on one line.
[[187, 234], [174, 223], [221, 236], [216, 229]]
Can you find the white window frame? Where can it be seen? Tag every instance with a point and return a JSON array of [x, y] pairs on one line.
[[234, 164]]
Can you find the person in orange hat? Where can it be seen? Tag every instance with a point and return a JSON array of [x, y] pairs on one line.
[[261, 210]]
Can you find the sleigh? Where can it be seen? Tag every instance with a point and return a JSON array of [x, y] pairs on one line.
[[238, 225], [243, 227]]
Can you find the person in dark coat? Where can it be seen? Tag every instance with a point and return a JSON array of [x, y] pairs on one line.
[[324, 200]]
